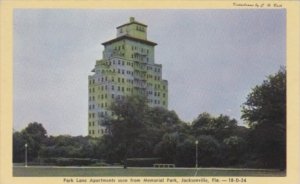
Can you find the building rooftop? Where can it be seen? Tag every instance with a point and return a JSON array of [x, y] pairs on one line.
[[132, 21], [130, 38]]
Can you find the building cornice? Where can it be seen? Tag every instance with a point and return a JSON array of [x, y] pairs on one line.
[[129, 38]]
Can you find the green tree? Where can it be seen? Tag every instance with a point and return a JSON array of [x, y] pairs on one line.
[[128, 122], [265, 113], [35, 136], [166, 148], [185, 152], [220, 127], [18, 147], [209, 151], [234, 148]]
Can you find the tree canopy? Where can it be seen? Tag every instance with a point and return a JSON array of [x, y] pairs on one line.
[[265, 113]]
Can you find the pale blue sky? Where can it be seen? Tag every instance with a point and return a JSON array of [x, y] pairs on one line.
[[211, 58]]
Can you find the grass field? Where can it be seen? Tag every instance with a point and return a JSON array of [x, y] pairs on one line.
[[105, 171]]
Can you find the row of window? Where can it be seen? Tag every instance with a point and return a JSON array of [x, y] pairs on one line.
[[100, 114], [92, 132], [93, 106], [156, 102], [128, 63], [91, 115], [139, 57], [119, 47], [141, 49], [92, 98], [137, 74], [122, 71], [156, 93], [122, 80], [140, 28], [122, 89], [113, 96]]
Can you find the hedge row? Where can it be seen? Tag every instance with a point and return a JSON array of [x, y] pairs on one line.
[[142, 162], [69, 161]]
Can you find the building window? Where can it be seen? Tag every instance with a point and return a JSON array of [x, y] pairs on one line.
[[112, 87]]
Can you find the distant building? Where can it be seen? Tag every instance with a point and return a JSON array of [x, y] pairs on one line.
[[127, 68]]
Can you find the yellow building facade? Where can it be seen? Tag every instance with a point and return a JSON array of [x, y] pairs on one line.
[[127, 67]]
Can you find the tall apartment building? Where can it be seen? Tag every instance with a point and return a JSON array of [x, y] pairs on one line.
[[127, 68]]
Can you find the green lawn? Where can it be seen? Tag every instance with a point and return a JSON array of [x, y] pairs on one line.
[[83, 171]]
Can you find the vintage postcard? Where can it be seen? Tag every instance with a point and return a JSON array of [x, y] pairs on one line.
[[149, 92]]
